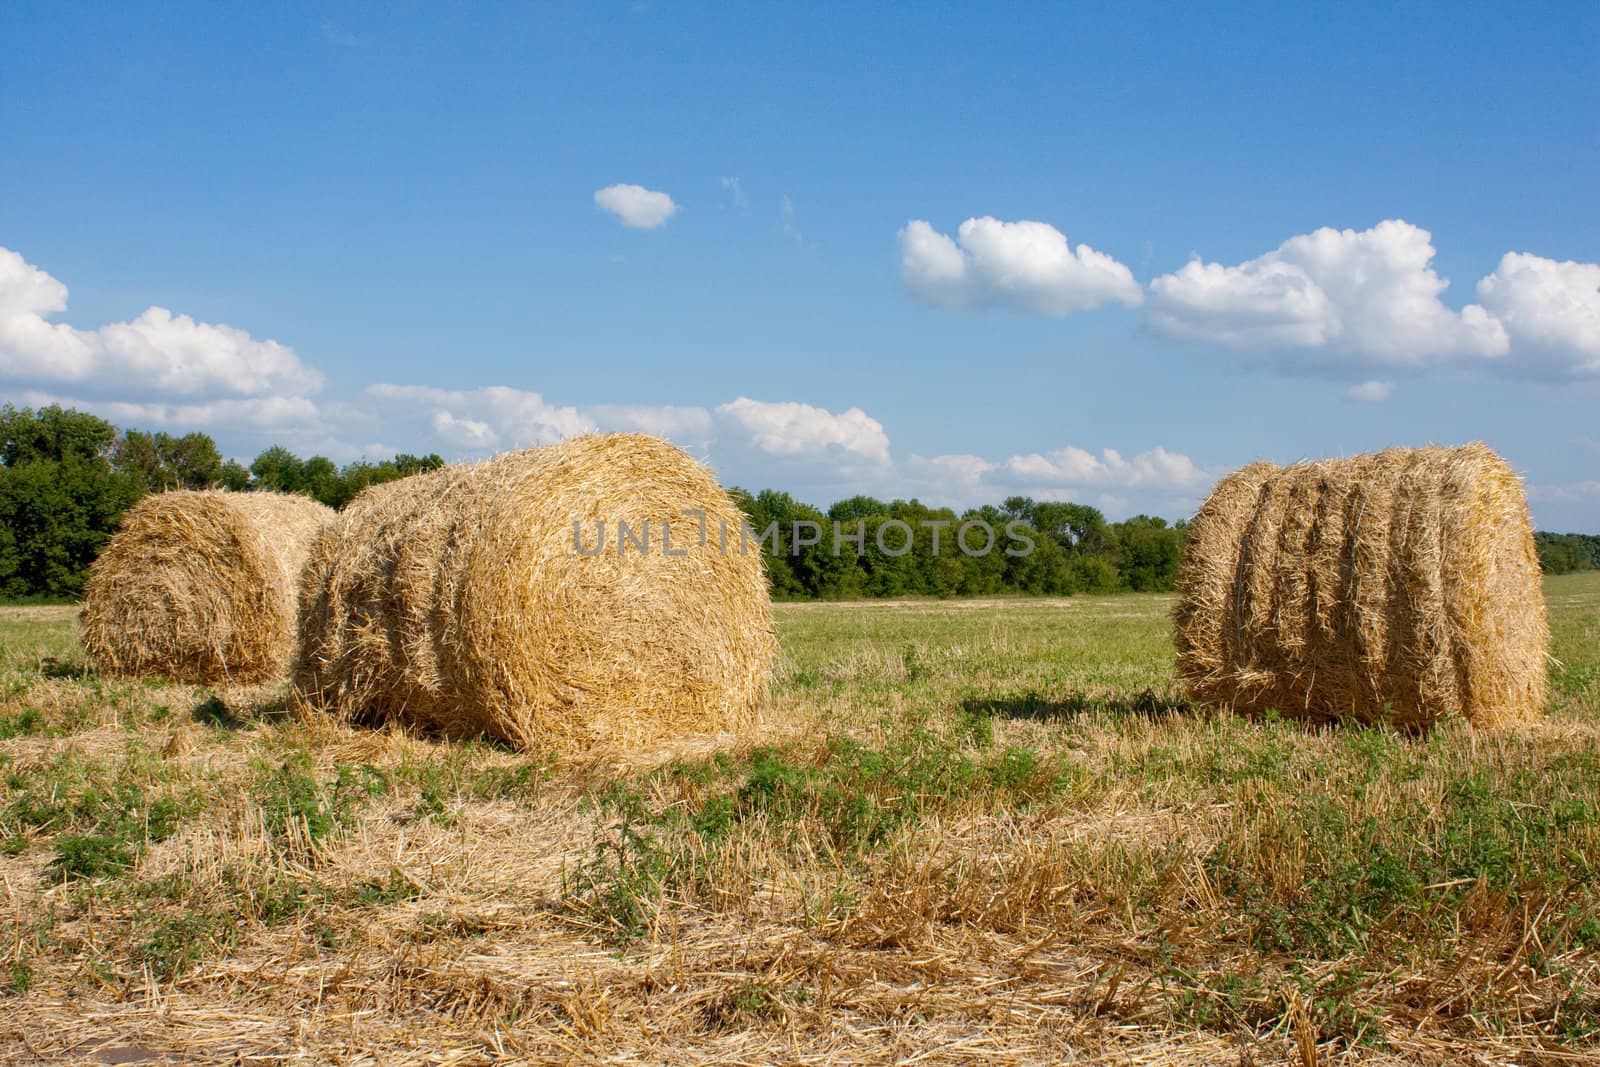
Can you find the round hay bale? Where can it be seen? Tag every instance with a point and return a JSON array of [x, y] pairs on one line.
[[459, 601], [1400, 587], [201, 585]]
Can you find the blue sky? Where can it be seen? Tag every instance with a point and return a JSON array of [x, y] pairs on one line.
[[402, 199]]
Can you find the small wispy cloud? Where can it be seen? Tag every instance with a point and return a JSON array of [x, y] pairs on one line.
[[339, 37], [791, 230], [1570, 493], [1372, 392]]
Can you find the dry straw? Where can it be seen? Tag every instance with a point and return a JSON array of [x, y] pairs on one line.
[[200, 586], [458, 602], [1401, 587]]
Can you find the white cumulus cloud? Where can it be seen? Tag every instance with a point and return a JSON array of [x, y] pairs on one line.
[[685, 424], [1333, 296], [795, 430], [1024, 265], [1157, 481], [944, 481], [1550, 309], [264, 414], [467, 433], [636, 206], [1156, 468], [157, 354], [1113, 504], [494, 417]]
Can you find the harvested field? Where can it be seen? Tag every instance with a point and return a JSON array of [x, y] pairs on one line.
[[962, 833]]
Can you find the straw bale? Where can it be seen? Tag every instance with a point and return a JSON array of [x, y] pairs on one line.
[[1401, 586], [458, 601], [200, 586]]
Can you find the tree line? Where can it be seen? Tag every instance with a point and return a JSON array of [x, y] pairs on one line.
[[865, 547], [1565, 553], [67, 477]]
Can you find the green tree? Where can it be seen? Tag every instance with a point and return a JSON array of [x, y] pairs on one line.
[[1077, 552], [1046, 571], [359, 475], [160, 461], [279, 470], [1564, 553], [53, 433], [857, 507], [320, 479], [235, 476], [58, 514], [1076, 527], [405, 464], [1148, 553], [983, 575], [761, 511]]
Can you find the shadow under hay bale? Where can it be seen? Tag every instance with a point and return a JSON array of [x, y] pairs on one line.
[[1145, 704], [200, 586], [458, 602], [1400, 587]]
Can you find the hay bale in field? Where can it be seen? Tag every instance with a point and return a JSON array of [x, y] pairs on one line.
[[1401, 586], [458, 601], [201, 585]]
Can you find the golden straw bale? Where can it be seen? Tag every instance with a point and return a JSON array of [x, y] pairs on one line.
[[458, 601], [1401, 586], [200, 586]]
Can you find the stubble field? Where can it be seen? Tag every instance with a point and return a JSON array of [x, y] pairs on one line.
[[965, 832]]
